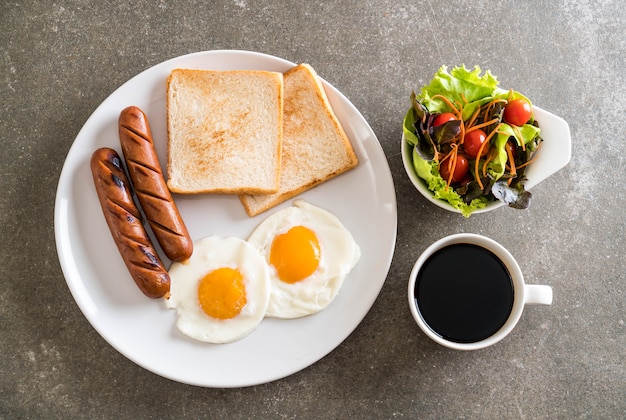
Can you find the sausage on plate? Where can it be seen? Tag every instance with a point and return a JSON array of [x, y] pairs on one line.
[[149, 184], [125, 223]]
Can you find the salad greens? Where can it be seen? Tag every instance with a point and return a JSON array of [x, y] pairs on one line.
[[492, 169]]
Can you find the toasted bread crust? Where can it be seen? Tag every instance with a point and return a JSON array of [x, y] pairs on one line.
[[224, 131], [315, 145]]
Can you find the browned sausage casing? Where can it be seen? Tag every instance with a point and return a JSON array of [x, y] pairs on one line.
[[125, 223], [145, 173]]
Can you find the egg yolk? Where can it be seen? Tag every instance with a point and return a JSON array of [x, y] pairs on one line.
[[295, 254], [222, 293]]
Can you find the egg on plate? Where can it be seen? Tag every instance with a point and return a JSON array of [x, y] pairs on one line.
[[309, 253], [221, 292]]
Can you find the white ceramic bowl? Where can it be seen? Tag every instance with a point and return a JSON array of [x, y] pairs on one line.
[[554, 154]]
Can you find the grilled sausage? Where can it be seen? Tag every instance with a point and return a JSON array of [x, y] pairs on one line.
[[125, 223], [149, 184]]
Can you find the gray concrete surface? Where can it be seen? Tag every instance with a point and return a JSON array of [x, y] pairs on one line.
[[60, 60]]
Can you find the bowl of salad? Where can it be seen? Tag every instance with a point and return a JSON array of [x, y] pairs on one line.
[[470, 146]]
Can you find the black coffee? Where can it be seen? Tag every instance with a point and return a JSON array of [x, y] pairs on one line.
[[464, 293]]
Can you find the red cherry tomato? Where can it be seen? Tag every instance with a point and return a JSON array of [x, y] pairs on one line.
[[444, 118], [472, 142], [461, 168], [517, 112]]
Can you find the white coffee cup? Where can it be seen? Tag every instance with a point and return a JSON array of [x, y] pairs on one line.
[[523, 294]]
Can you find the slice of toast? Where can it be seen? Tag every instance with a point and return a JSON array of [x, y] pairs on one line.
[[224, 131], [315, 146]]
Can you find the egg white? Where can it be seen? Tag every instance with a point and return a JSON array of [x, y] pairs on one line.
[[209, 254], [339, 254]]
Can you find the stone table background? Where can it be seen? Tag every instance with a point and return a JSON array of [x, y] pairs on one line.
[[59, 60]]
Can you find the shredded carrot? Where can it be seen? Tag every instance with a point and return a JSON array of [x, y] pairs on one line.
[[495, 101], [446, 157], [488, 108], [490, 157], [531, 159], [476, 127], [509, 153], [472, 119], [450, 158], [444, 99], [462, 133], [453, 168], [480, 152], [491, 104]]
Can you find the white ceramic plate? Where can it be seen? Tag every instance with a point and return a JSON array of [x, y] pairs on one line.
[[142, 329], [555, 153]]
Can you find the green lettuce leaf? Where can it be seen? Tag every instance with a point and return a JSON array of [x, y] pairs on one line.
[[459, 85], [471, 89], [528, 134], [429, 172], [409, 130]]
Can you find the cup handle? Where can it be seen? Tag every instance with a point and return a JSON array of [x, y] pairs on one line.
[[536, 294]]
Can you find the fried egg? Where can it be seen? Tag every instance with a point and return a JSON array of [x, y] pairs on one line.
[[221, 292], [309, 253]]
